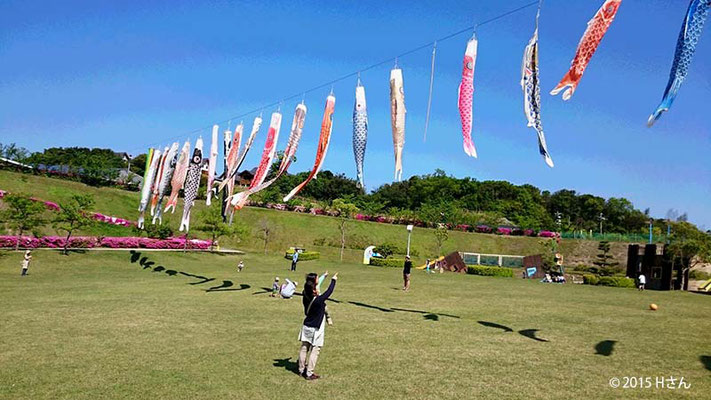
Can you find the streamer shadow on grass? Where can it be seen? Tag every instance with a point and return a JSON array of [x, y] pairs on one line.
[[226, 286], [605, 348]]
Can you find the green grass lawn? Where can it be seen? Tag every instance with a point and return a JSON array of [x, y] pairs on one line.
[[98, 325], [294, 229]]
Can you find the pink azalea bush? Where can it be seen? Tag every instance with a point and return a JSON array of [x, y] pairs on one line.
[[547, 234], [503, 231], [112, 220], [86, 242]]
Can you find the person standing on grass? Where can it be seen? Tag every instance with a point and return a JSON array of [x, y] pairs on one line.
[[294, 260], [406, 274], [275, 288], [240, 266], [314, 327], [641, 281], [26, 262]]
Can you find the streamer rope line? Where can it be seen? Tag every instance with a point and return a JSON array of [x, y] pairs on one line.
[[350, 75], [429, 99]]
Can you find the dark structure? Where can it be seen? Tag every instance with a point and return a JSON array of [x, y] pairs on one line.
[[661, 271], [534, 261], [454, 263]]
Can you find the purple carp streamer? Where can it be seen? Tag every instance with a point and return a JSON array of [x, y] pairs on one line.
[[685, 48]]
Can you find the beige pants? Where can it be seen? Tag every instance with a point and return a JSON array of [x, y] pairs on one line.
[[313, 357]]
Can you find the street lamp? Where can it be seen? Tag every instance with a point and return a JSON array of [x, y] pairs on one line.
[[409, 233]]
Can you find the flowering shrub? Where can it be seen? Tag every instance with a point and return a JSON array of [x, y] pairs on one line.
[[112, 220], [546, 234], [85, 242], [503, 231], [483, 229], [529, 232]]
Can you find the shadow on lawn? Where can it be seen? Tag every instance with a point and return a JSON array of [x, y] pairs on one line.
[[531, 334], [706, 360], [226, 285], [430, 316], [605, 348], [287, 364], [495, 325]]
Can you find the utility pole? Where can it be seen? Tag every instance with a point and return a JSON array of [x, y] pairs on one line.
[[651, 225], [602, 218]]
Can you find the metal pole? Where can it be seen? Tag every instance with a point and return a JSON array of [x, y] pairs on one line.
[[408, 242], [650, 230]]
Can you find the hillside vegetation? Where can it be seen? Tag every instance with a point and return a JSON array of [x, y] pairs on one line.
[[295, 229]]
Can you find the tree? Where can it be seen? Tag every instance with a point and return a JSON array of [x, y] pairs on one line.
[[14, 153], [265, 230], [605, 261], [689, 246], [22, 214], [74, 215], [441, 234], [345, 211], [211, 223]]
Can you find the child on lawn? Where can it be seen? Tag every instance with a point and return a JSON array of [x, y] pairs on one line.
[[275, 287]]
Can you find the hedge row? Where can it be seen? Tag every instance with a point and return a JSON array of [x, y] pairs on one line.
[[304, 255], [614, 281], [387, 262], [87, 242], [489, 271]]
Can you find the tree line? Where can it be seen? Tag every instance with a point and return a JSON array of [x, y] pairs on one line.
[[435, 198]]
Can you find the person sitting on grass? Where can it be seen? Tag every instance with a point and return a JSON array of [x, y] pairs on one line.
[[427, 266], [287, 289], [275, 288], [314, 328]]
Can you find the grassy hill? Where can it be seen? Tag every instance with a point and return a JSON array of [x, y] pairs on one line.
[[294, 229]]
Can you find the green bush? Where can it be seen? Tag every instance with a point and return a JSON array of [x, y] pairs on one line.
[[387, 262], [304, 255], [591, 279], [490, 271], [616, 281], [699, 275], [613, 281], [158, 231]]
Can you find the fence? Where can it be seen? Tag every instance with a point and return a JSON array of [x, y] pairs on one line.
[[499, 260], [614, 237]]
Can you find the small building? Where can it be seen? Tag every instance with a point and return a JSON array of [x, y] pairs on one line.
[[658, 266], [245, 177]]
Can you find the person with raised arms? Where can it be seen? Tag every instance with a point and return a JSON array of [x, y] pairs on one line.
[[314, 327]]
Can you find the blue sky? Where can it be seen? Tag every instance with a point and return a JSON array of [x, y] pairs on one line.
[[130, 74]]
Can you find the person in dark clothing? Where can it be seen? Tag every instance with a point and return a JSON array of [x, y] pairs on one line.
[[406, 274], [314, 328]]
